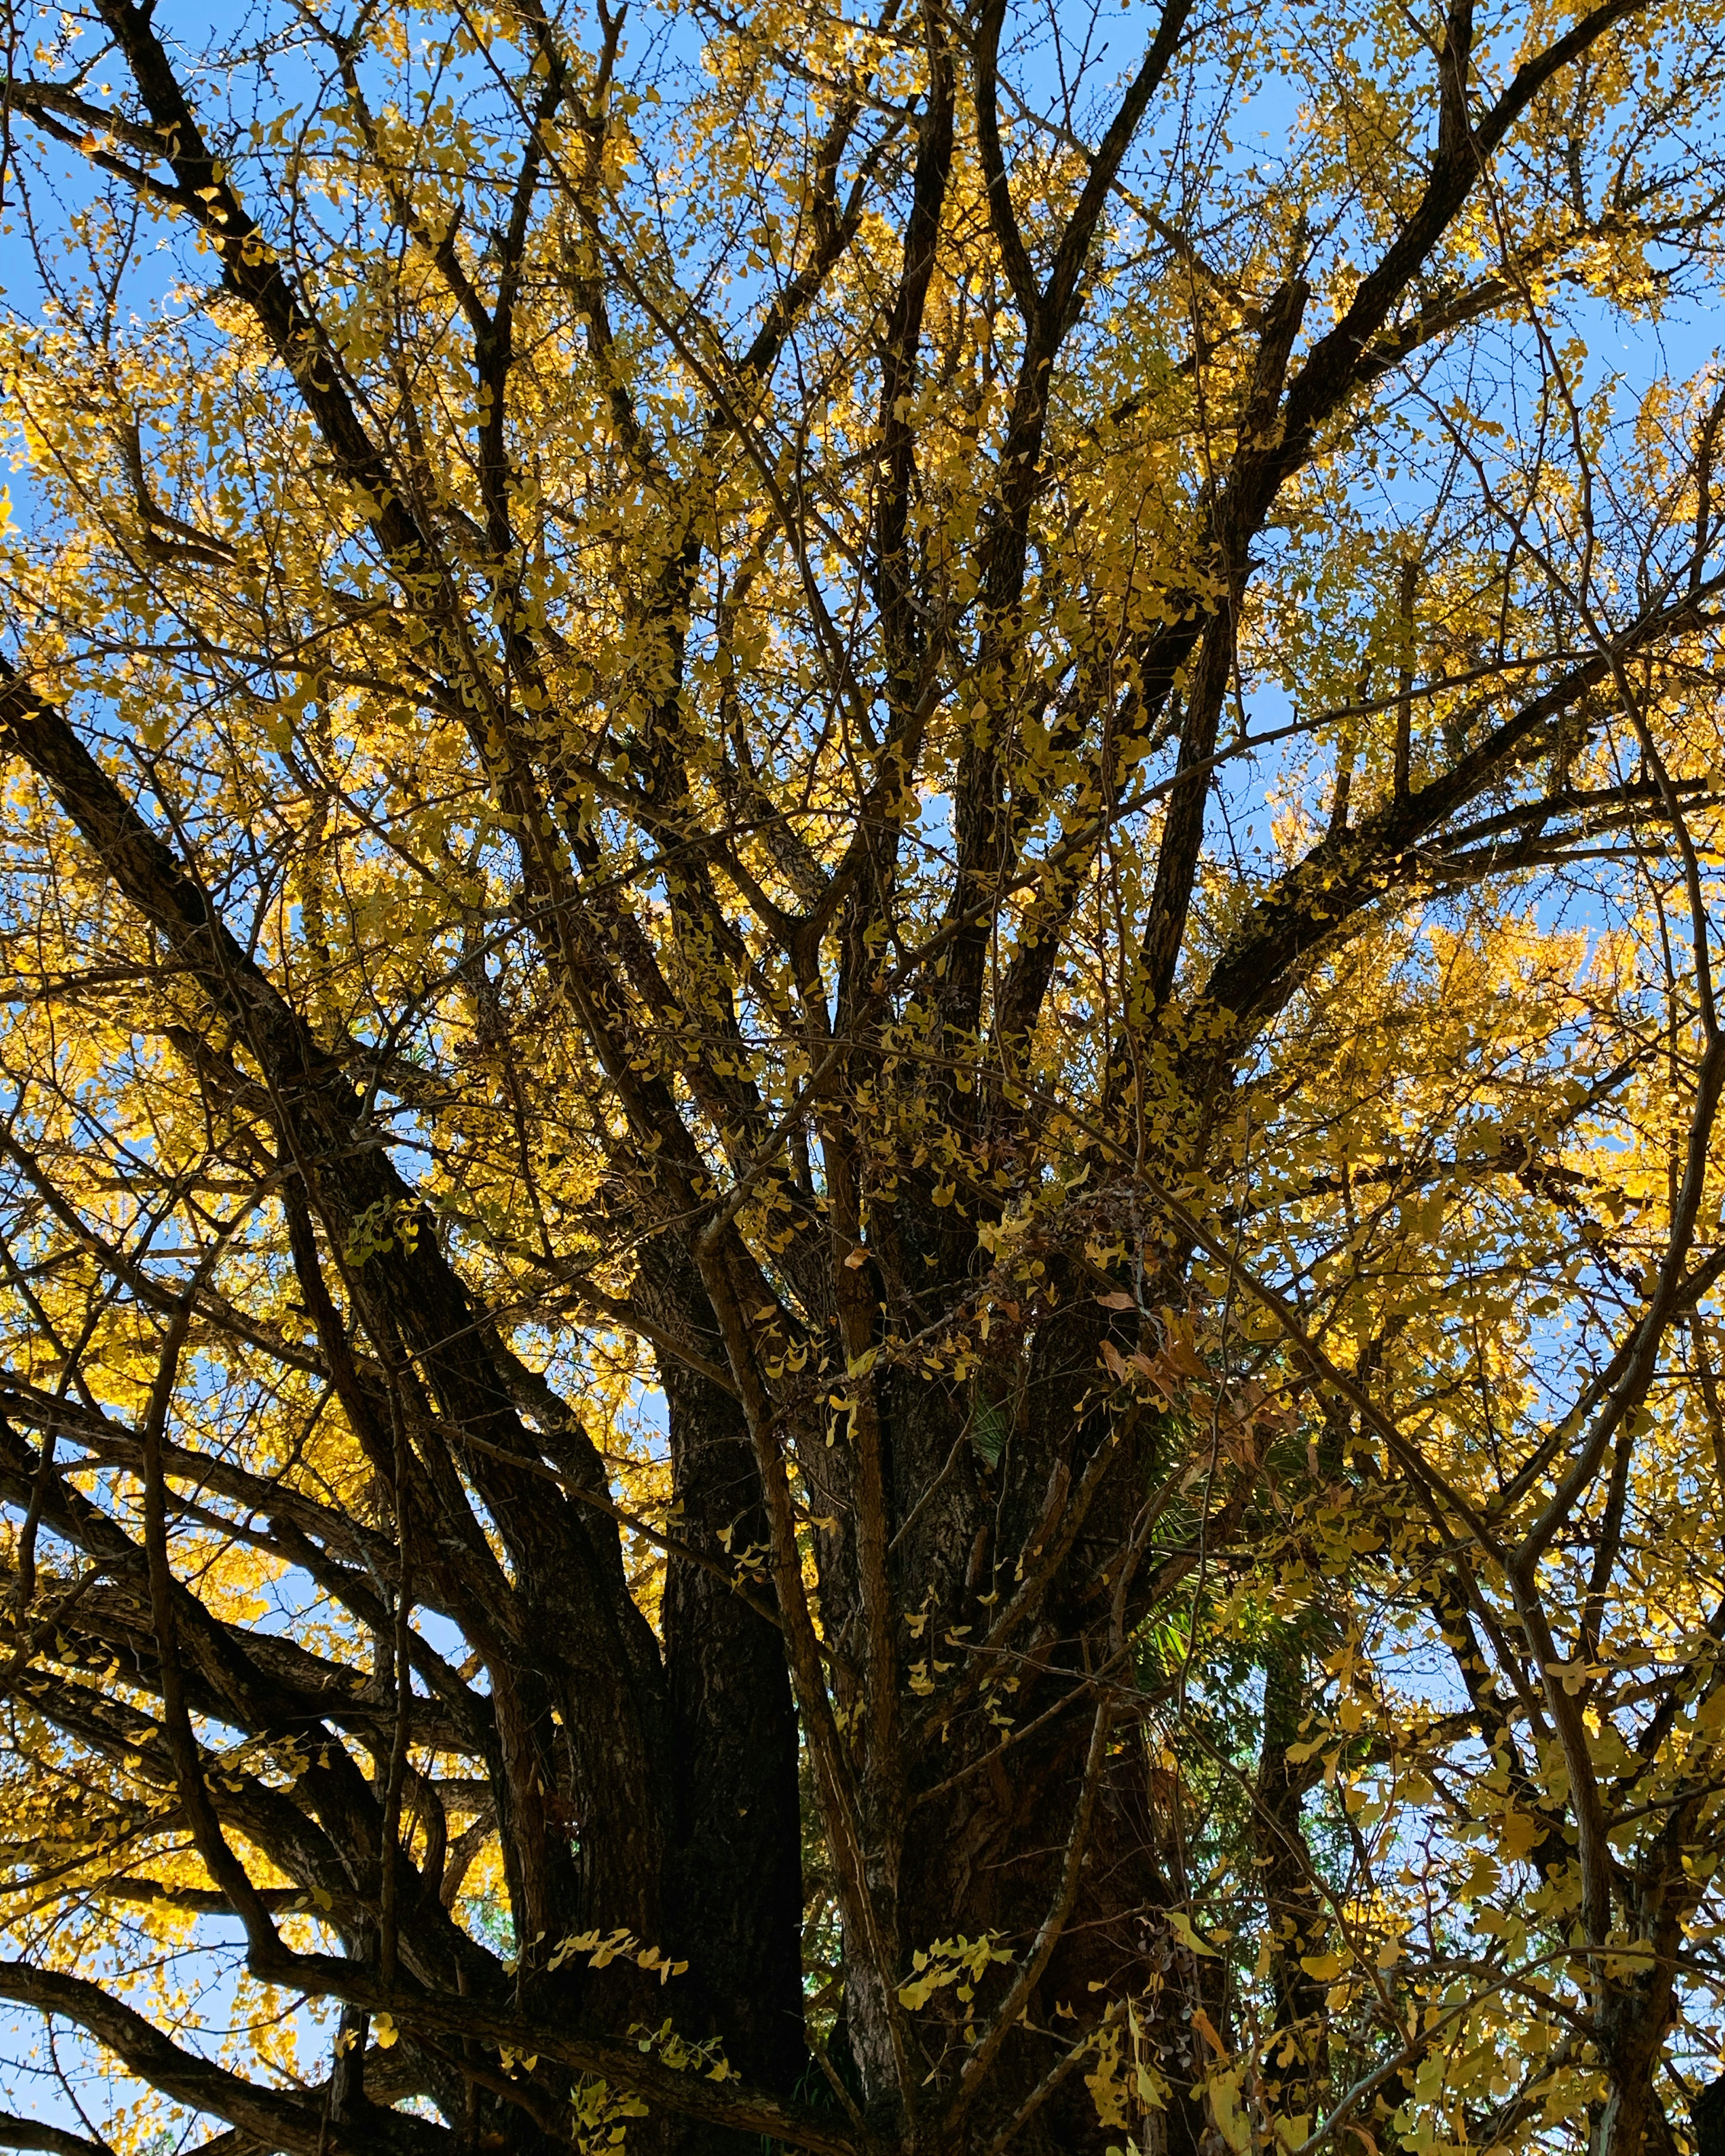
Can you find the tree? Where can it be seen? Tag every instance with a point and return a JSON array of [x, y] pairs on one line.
[[861, 1206]]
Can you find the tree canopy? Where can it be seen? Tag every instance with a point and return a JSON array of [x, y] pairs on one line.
[[861, 1226]]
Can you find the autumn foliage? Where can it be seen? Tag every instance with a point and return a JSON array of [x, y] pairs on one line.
[[862, 1231]]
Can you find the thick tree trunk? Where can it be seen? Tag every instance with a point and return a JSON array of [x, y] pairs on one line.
[[733, 1894]]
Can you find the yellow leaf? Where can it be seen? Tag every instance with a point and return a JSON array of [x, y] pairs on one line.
[[1520, 1835], [1180, 1924], [1226, 2110]]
